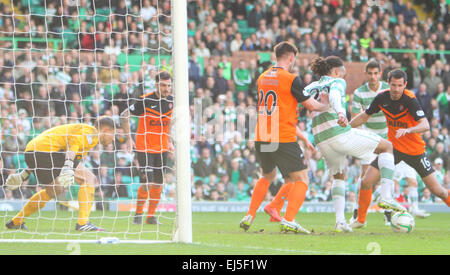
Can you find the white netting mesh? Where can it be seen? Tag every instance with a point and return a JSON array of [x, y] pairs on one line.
[[71, 61]]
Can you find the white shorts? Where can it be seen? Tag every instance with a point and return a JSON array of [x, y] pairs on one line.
[[356, 143], [368, 161], [403, 170]]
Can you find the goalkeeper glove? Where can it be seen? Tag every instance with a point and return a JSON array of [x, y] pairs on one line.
[[14, 181], [67, 175]]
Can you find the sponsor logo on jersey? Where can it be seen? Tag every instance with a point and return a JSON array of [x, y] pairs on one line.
[[398, 124]]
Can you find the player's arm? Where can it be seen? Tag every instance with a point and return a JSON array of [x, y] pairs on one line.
[[300, 136], [306, 100], [362, 118], [419, 115], [67, 175], [336, 104], [125, 122], [359, 119], [423, 126], [137, 109]]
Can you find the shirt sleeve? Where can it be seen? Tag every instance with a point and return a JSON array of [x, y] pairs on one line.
[[298, 90], [415, 109], [336, 101], [138, 107], [374, 106]]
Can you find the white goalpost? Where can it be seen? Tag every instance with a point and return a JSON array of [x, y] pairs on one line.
[[182, 151], [58, 78]]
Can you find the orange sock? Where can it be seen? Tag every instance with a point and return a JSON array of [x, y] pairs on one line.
[[280, 197], [296, 197], [447, 201], [259, 193], [364, 200], [155, 195], [142, 196]]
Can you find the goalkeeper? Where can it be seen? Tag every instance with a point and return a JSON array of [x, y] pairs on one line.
[[55, 159]]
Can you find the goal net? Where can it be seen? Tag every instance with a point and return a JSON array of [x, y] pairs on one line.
[[71, 61]]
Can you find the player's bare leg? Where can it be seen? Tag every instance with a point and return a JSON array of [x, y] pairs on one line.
[[436, 188]]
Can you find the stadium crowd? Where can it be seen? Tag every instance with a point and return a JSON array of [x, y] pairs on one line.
[[41, 88]]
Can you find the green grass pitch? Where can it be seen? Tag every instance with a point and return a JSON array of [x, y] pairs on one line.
[[219, 233]]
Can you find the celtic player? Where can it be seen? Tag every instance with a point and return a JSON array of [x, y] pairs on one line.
[[336, 139], [55, 159], [362, 97]]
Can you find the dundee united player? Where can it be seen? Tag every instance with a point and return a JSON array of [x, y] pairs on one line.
[[336, 140], [362, 97], [405, 120], [55, 159], [279, 92], [152, 143]]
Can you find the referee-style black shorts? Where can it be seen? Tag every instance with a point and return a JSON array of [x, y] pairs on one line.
[[420, 163], [288, 157], [46, 166], [151, 166]]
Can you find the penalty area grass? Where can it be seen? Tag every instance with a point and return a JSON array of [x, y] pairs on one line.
[[219, 234]]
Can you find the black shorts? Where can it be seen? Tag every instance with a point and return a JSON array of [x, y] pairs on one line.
[[46, 166], [288, 157], [151, 166], [420, 163]]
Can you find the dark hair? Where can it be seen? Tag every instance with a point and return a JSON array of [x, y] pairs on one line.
[[162, 75], [283, 48], [105, 121], [373, 64], [397, 74], [322, 66]]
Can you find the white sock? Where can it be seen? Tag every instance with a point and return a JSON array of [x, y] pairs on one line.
[[387, 167], [358, 185], [413, 198], [338, 195]]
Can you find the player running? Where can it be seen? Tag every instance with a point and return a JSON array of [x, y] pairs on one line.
[[279, 92], [152, 143], [405, 120], [55, 158], [336, 140], [362, 97]]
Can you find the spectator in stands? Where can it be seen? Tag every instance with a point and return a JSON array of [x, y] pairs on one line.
[[242, 78], [206, 165], [427, 197], [432, 81], [424, 98]]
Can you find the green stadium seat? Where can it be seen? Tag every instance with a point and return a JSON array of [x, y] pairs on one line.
[[246, 32], [242, 24]]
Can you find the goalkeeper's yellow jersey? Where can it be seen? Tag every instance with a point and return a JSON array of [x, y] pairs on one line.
[[79, 138]]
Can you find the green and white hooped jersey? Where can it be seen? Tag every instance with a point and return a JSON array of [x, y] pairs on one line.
[[324, 124], [362, 98]]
